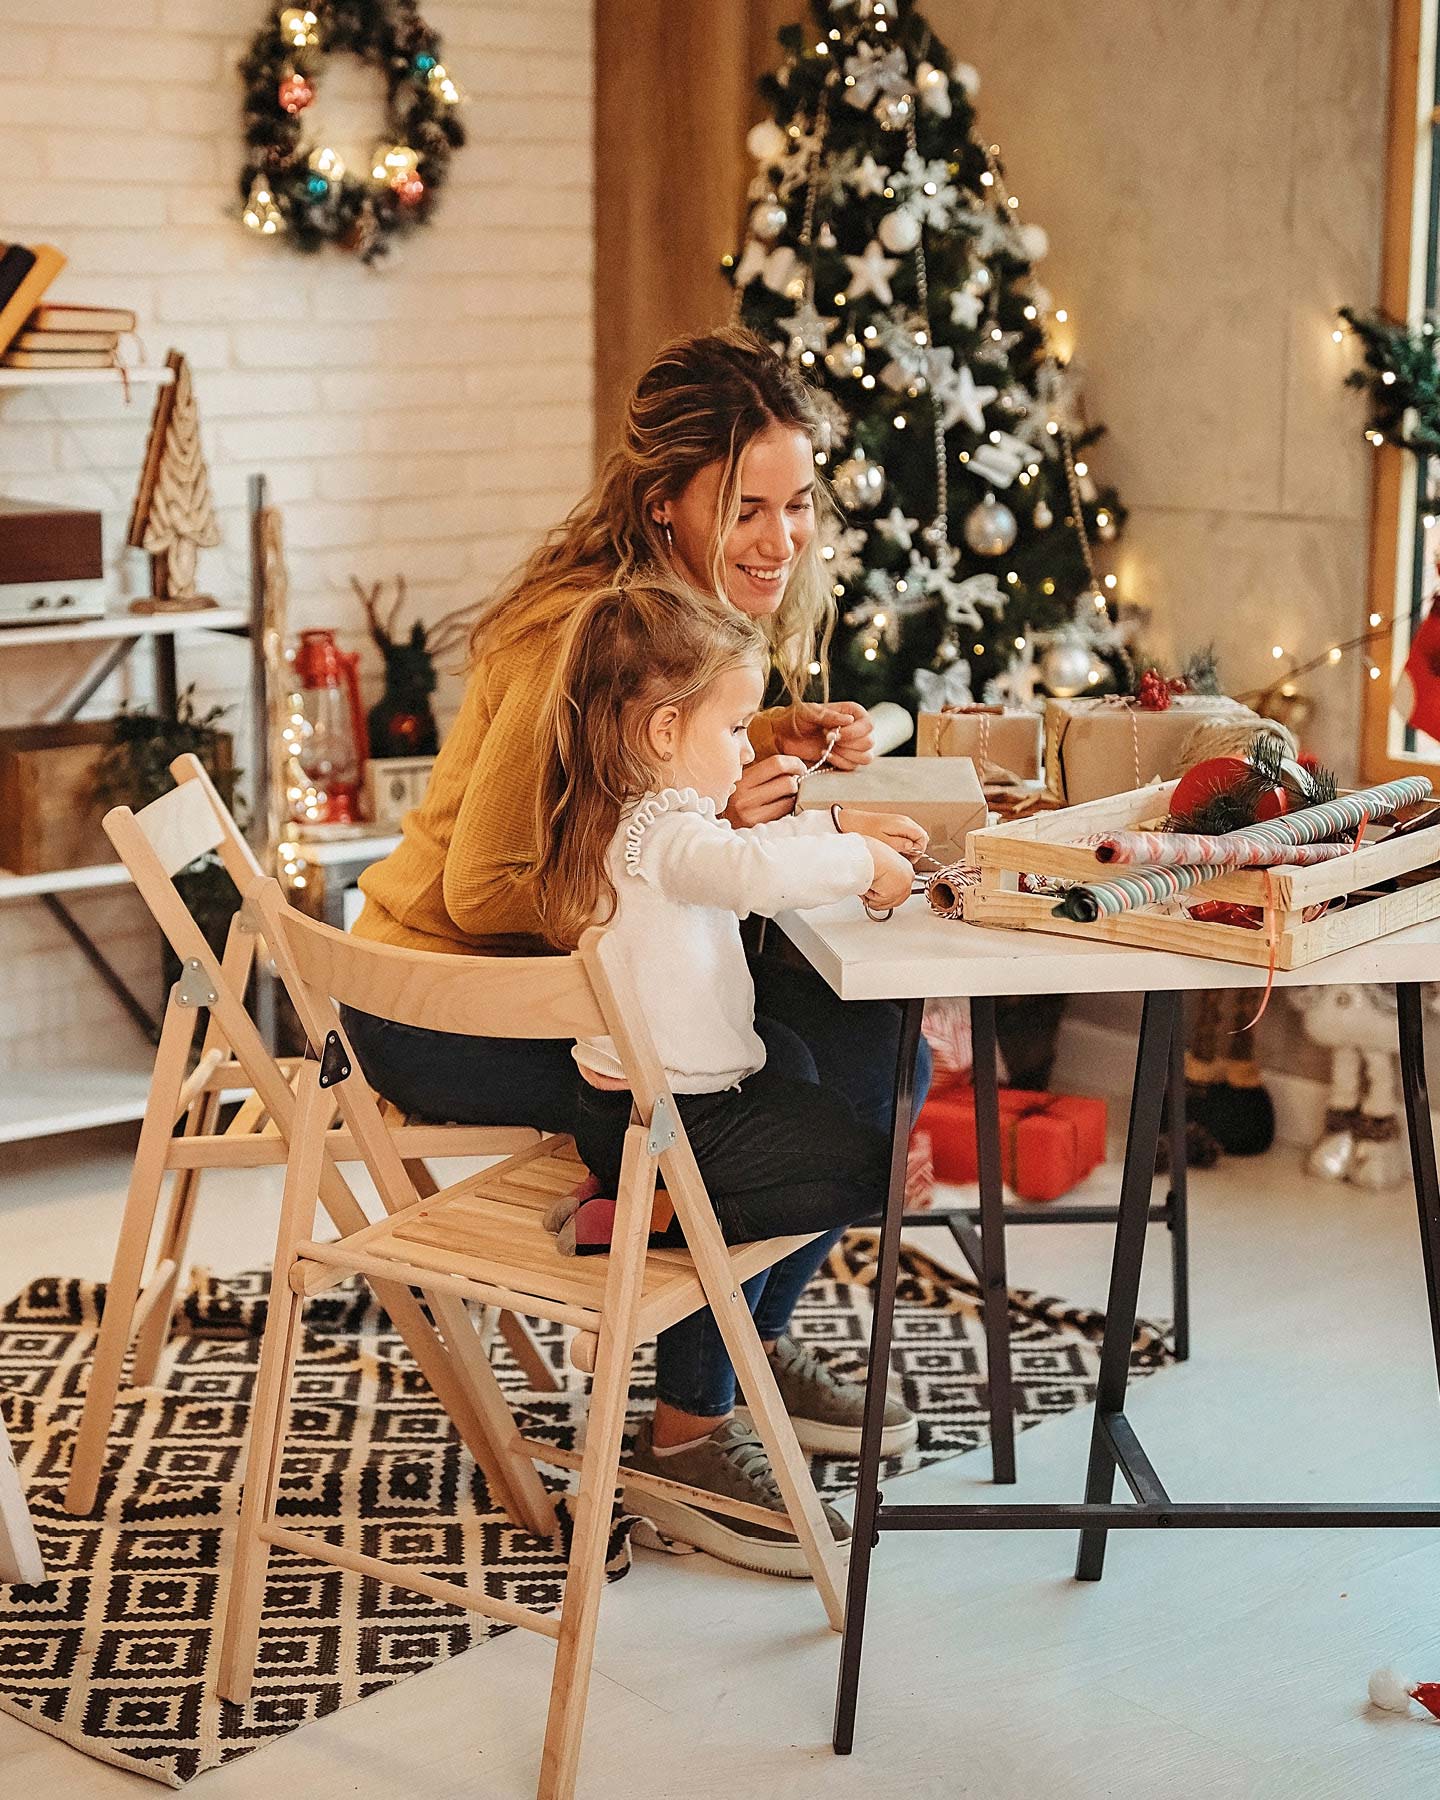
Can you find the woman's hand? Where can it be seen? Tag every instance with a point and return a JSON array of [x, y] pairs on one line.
[[803, 730], [767, 791], [894, 877], [894, 829]]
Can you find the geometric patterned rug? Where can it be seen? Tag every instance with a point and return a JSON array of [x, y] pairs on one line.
[[114, 1653]]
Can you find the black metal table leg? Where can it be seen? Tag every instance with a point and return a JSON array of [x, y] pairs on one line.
[[1178, 1201], [994, 1288], [1159, 1026], [867, 1486], [1422, 1142]]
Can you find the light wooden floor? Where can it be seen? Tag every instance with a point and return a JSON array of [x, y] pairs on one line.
[[1225, 1665]]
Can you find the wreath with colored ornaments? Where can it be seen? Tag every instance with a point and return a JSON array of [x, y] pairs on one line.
[[297, 186]]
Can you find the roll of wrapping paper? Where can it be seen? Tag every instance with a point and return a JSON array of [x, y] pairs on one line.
[[1219, 851], [1146, 884]]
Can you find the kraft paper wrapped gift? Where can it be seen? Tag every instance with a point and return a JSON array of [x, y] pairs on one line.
[[999, 740], [1094, 748], [941, 793]]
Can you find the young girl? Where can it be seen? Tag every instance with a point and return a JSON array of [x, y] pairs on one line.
[[648, 720]]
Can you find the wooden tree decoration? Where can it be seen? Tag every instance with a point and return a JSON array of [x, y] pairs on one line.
[[174, 515]]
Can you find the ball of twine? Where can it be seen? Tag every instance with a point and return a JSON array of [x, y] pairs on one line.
[[1230, 737]]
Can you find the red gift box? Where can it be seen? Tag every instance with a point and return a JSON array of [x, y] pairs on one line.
[[1048, 1142]]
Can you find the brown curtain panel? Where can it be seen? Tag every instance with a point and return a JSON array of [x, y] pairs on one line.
[[674, 97]]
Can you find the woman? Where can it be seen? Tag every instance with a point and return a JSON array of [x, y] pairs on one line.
[[714, 479]]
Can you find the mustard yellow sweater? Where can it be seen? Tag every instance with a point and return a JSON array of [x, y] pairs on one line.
[[453, 883]]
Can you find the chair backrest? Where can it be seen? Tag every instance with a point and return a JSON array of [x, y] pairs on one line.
[[477, 996], [241, 863], [155, 844]]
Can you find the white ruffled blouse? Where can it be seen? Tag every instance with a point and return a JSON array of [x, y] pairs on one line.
[[684, 879]]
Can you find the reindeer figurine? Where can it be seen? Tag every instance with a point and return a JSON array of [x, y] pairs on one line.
[[401, 722]]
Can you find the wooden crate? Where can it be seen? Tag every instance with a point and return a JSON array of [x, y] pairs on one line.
[[1046, 844], [49, 816]]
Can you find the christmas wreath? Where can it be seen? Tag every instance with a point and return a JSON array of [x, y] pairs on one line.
[[295, 185]]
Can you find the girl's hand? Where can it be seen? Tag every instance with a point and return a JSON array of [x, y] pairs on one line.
[[767, 791], [806, 726], [893, 876], [894, 829]]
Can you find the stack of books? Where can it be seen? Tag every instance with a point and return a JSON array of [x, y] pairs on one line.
[[38, 336]]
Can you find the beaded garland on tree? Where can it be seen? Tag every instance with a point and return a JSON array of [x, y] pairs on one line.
[[302, 190]]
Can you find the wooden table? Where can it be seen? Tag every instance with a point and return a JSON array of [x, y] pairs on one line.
[[916, 956]]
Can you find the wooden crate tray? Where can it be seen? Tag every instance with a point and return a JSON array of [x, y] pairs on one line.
[[1046, 844]]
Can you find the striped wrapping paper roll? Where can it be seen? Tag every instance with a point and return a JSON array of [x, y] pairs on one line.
[[1145, 884], [1225, 850]]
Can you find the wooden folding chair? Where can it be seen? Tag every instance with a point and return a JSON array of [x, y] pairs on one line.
[[483, 1239], [154, 845]]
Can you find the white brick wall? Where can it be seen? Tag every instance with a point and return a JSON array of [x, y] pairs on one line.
[[427, 419]]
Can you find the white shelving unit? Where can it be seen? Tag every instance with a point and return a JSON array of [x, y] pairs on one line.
[[13, 378], [125, 625], [111, 1085], [41, 1102], [62, 881]]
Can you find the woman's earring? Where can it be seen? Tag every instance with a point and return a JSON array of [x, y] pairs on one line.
[[669, 534]]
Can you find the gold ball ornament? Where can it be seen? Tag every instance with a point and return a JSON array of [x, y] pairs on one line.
[[261, 212], [858, 481], [300, 27], [990, 528], [394, 163], [845, 358]]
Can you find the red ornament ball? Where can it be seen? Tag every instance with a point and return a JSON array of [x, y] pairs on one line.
[[1202, 783], [1153, 694], [295, 94], [1198, 786], [410, 191]]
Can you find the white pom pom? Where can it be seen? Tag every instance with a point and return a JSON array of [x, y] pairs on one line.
[[969, 78], [766, 142], [1390, 1691]]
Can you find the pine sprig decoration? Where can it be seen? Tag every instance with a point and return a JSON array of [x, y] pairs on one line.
[[886, 256], [288, 186], [1401, 380], [1269, 766]]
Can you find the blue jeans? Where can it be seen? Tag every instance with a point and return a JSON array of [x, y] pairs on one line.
[[846, 1048]]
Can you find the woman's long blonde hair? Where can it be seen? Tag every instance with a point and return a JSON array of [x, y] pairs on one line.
[[628, 650], [703, 400]]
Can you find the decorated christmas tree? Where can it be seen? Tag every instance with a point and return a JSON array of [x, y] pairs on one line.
[[886, 255]]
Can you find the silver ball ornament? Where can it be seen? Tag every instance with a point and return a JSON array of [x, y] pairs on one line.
[[979, 280], [1042, 516], [858, 482], [768, 219], [846, 357], [1066, 668], [899, 231], [990, 527]]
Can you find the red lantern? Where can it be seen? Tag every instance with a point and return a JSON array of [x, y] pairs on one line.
[[333, 749], [295, 94]]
